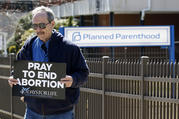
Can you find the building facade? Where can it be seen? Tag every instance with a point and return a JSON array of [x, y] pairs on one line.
[[124, 13], [116, 13]]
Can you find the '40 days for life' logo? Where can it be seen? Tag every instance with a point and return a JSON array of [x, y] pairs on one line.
[[24, 90]]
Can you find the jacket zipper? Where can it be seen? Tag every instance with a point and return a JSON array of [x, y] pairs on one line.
[[43, 114]]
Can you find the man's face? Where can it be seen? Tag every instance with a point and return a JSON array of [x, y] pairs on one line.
[[42, 26]]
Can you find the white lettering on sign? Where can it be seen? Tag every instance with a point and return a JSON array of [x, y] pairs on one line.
[[39, 92], [38, 66], [47, 75], [40, 75], [40, 83]]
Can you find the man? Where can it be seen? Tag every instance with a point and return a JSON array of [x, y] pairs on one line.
[[50, 46]]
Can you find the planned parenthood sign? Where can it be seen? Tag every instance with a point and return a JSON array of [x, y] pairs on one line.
[[119, 36]]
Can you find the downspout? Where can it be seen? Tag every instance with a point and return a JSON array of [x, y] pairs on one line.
[[143, 18], [111, 20], [143, 12], [59, 11], [72, 8], [109, 8]]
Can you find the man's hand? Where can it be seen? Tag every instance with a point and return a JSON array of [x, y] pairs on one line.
[[68, 80], [22, 98], [12, 81]]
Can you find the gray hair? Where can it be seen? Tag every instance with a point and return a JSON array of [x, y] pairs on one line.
[[50, 13]]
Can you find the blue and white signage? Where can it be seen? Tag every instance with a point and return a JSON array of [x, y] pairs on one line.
[[119, 36]]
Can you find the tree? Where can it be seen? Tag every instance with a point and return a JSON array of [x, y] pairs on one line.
[[24, 31]]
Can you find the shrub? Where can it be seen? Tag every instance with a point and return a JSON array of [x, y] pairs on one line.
[[12, 49], [23, 25]]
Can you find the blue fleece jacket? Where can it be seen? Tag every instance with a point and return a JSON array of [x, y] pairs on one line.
[[60, 51]]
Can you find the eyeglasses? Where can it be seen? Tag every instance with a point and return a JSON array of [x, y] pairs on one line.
[[40, 25]]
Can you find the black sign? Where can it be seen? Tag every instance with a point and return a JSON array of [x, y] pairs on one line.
[[39, 79]]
